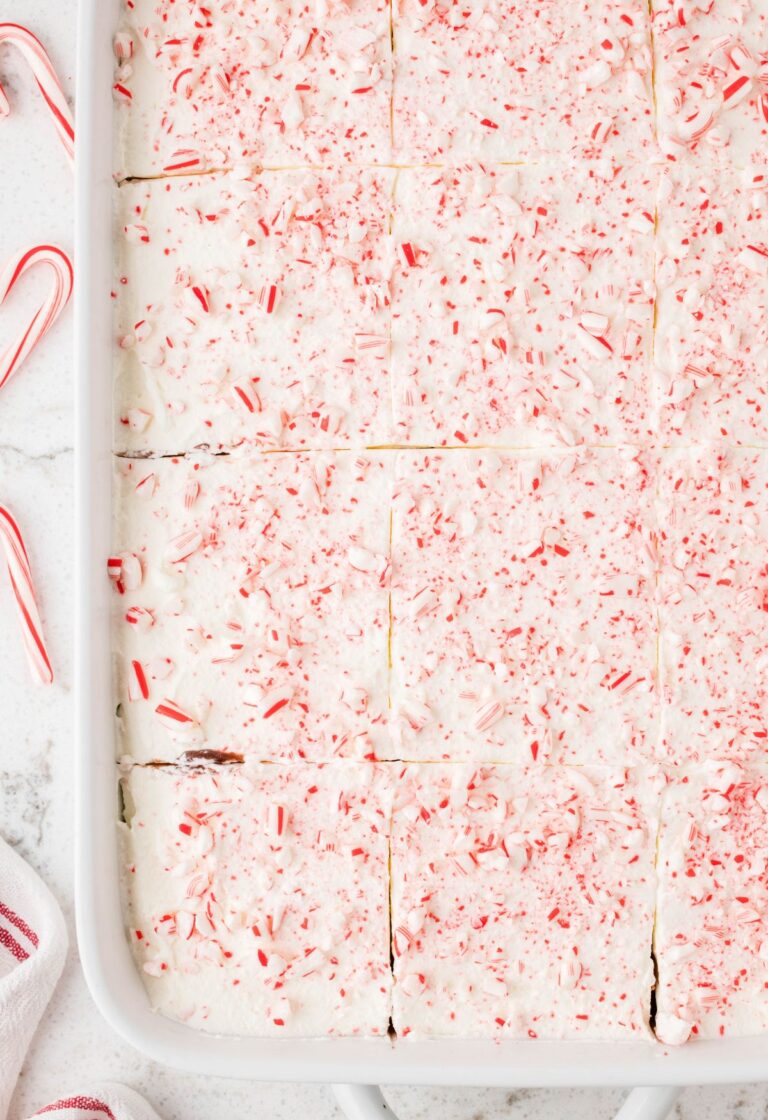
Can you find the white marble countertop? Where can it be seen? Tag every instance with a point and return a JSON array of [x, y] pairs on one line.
[[74, 1046]]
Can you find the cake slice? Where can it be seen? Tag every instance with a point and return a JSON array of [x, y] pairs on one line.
[[712, 319], [252, 606], [518, 82], [254, 309], [277, 83], [523, 613], [711, 937], [711, 81], [258, 897], [522, 901], [523, 305], [713, 586]]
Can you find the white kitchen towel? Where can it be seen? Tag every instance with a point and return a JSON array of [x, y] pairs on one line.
[[33, 945]]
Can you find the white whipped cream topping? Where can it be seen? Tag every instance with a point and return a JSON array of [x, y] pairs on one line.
[[508, 82], [278, 82], [255, 617], [523, 607], [523, 901], [711, 936], [253, 309], [258, 896], [713, 514], [711, 80], [522, 305]]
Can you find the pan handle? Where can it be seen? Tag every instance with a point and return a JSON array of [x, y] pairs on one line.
[[366, 1102], [362, 1102], [651, 1102]]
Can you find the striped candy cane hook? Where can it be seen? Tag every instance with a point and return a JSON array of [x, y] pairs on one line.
[[42, 68], [23, 587], [48, 311]]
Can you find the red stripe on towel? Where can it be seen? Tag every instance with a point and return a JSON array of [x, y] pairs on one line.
[[12, 945], [21, 925], [88, 1104]]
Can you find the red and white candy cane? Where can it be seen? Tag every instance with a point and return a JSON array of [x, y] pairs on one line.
[[26, 600], [48, 311], [42, 68]]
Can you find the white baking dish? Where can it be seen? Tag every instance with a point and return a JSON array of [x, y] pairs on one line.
[[108, 964]]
